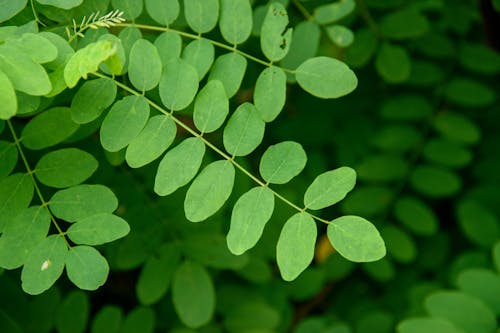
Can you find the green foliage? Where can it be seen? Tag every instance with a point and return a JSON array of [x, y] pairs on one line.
[[339, 159]]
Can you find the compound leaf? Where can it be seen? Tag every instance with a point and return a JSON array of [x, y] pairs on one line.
[[270, 93], [98, 229], [65, 167], [229, 69], [124, 122], [179, 166], [91, 99], [235, 20], [281, 162], [81, 201], [86, 267], [249, 217], [244, 130], [275, 39], [193, 294], [329, 188], [210, 107], [48, 128], [356, 239], [178, 84], [44, 265], [151, 142], [201, 15], [21, 234], [326, 77], [295, 248], [144, 69], [209, 191]]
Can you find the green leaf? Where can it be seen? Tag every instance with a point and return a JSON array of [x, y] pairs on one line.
[[179, 166], [87, 60], [470, 53], [469, 93], [249, 217], [326, 77], [382, 168], [400, 245], [356, 239], [44, 265], [144, 69], [62, 53], [178, 84], [435, 182], [333, 12], [21, 234], [235, 22], [281, 162], [98, 229], [169, 46], [447, 153], [244, 131], [362, 49], [151, 142], [340, 35], [39, 49], [73, 313], [295, 248], [264, 318], [86, 267], [108, 320], [156, 274], [427, 325], [229, 69], [131, 8], [416, 215], [329, 188], [124, 122], [91, 99], [25, 75], [209, 191], [403, 24], [407, 107], [10, 8], [305, 43], [201, 15], [393, 63], [275, 38], [141, 319], [368, 200], [48, 128], [63, 4], [478, 223], [482, 283], [81, 201], [200, 54], [210, 250], [464, 311], [65, 167], [8, 156], [164, 12], [16, 192], [397, 138], [8, 99], [270, 93], [193, 294], [457, 127], [210, 107]]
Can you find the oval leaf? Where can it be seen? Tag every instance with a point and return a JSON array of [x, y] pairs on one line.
[[200, 54], [201, 15], [8, 99], [236, 20], [229, 69], [163, 12], [179, 166], [356, 239], [16, 192], [270, 93], [244, 131], [249, 217], [329, 188], [178, 84], [209, 191], [91, 99], [275, 39], [210, 107], [65, 167], [326, 77], [124, 122], [295, 248], [86, 267], [98, 229], [144, 68], [281, 162]]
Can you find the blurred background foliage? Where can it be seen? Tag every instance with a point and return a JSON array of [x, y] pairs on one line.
[[421, 130]]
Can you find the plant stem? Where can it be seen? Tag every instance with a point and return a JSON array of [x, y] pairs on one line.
[[31, 173], [210, 145], [366, 15], [37, 19], [302, 9]]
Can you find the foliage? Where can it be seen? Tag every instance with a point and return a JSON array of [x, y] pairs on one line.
[[181, 150]]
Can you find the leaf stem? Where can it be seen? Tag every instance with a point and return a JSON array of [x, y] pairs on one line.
[[303, 10], [367, 16], [31, 173], [37, 19], [210, 145]]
